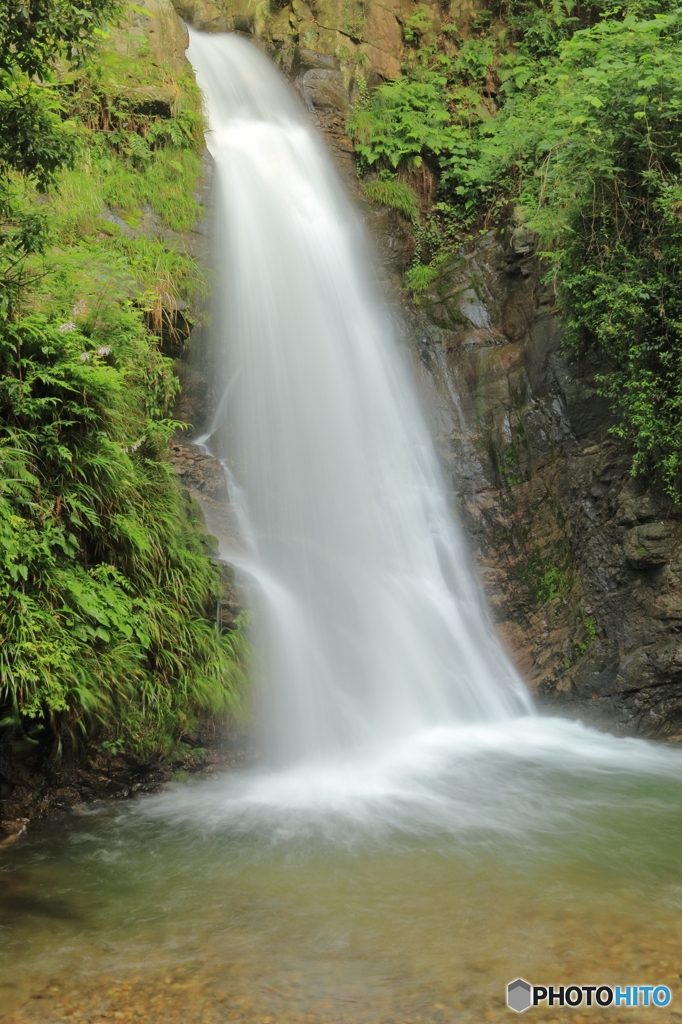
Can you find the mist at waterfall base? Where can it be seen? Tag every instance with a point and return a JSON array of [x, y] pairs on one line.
[[384, 698]]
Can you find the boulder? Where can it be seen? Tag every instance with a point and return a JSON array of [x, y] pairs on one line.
[[324, 89], [648, 545], [160, 28]]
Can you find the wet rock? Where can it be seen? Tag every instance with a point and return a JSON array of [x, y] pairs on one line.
[[354, 36], [198, 471], [324, 89], [667, 658], [305, 60], [667, 605], [469, 296], [12, 831], [39, 788], [523, 241], [636, 504], [204, 15], [636, 672]]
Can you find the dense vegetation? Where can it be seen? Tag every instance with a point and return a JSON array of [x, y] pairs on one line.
[[107, 596], [572, 116]]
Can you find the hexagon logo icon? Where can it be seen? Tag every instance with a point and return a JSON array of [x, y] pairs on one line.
[[518, 995]]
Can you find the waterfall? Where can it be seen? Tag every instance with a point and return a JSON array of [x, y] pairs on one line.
[[369, 622]]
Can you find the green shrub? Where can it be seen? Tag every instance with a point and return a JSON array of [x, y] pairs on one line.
[[107, 595], [395, 194], [419, 278], [548, 578], [598, 147]]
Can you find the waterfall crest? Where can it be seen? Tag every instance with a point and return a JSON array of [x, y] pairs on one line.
[[369, 620]]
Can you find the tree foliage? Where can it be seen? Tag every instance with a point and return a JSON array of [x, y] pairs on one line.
[[34, 138], [35, 33], [584, 134]]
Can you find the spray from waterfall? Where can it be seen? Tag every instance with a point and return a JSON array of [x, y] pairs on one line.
[[368, 617]]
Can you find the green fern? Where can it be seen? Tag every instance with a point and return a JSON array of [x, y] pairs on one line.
[[395, 194]]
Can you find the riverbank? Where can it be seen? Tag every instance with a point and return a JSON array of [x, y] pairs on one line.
[[43, 792]]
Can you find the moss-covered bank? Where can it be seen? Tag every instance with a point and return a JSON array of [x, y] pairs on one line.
[[108, 594]]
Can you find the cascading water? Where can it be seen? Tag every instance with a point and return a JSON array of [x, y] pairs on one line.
[[369, 619]]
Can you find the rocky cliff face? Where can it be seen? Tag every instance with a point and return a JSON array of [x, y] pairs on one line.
[[156, 26], [582, 564], [326, 44]]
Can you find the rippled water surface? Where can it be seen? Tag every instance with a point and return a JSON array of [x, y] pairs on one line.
[[408, 887]]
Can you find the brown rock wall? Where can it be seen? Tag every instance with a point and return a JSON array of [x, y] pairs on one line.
[[156, 25], [365, 36]]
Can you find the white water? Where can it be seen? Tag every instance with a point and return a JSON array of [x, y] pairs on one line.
[[371, 624], [387, 704]]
